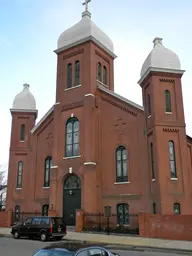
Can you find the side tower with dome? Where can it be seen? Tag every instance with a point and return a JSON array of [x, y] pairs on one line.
[[24, 114], [169, 154]]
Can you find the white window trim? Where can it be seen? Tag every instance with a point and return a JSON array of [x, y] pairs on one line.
[[46, 187], [73, 87], [174, 178], [121, 183], [168, 113], [71, 157]]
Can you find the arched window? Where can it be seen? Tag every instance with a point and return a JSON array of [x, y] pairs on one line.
[[47, 169], [154, 208], [172, 160], [176, 208], [22, 132], [19, 174], [77, 73], [105, 75], [123, 214], [149, 104], [69, 75], [17, 213], [45, 209], [72, 182], [121, 164], [72, 137], [99, 72], [168, 107], [152, 162]]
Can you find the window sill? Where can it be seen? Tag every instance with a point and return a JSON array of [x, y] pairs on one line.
[[89, 163], [21, 141], [174, 178], [153, 179], [45, 187], [168, 113], [71, 157], [54, 167], [149, 116], [121, 182], [18, 188], [73, 87], [102, 83]]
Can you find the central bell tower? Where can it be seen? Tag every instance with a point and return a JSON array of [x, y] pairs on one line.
[[85, 56]]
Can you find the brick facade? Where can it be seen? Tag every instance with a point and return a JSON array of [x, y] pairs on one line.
[[107, 121]]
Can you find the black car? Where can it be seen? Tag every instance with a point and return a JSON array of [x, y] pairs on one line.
[[43, 227], [89, 251]]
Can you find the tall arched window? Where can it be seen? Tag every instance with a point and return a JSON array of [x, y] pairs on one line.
[[123, 214], [154, 208], [19, 174], [99, 72], [121, 164], [168, 107], [22, 132], [149, 104], [77, 73], [152, 162], [69, 75], [105, 75], [177, 208], [47, 169], [17, 213], [72, 137], [172, 160], [45, 209]]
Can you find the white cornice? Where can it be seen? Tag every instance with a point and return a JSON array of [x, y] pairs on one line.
[[84, 40], [12, 110], [164, 70]]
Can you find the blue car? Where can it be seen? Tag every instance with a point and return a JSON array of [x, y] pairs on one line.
[[89, 251]]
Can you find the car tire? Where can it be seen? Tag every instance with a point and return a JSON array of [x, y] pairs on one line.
[[58, 238], [16, 234], [43, 237]]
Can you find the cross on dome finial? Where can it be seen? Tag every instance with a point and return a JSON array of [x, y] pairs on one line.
[[86, 4]]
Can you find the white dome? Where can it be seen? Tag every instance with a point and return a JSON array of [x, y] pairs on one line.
[[161, 57], [24, 100], [84, 29]]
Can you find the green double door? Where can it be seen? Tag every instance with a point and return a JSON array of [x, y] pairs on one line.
[[71, 199]]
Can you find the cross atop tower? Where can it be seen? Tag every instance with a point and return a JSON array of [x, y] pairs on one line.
[[86, 4]]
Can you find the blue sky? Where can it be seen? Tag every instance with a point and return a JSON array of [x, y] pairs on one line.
[[29, 30]]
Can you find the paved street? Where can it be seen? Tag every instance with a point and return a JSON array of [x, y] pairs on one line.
[[24, 247]]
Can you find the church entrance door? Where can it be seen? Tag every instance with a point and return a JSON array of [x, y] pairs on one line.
[[71, 199]]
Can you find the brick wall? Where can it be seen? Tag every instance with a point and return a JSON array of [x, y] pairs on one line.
[[174, 227], [5, 218]]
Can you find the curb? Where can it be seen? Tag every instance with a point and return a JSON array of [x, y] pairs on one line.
[[126, 247]]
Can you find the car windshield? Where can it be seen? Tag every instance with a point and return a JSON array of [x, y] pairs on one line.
[[52, 253]]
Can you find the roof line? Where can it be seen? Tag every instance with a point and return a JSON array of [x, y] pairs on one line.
[[102, 88], [42, 119]]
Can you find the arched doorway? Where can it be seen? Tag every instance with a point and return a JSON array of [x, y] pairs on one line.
[[71, 198]]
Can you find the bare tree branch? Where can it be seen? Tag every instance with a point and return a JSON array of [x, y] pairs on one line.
[[3, 184]]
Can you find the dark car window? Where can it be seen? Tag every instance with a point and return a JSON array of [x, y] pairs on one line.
[[45, 221], [58, 221], [97, 252], [27, 221], [36, 221]]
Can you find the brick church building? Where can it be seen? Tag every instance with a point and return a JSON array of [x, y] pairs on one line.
[[94, 147]]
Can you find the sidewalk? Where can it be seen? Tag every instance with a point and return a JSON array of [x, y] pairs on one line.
[[124, 241]]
